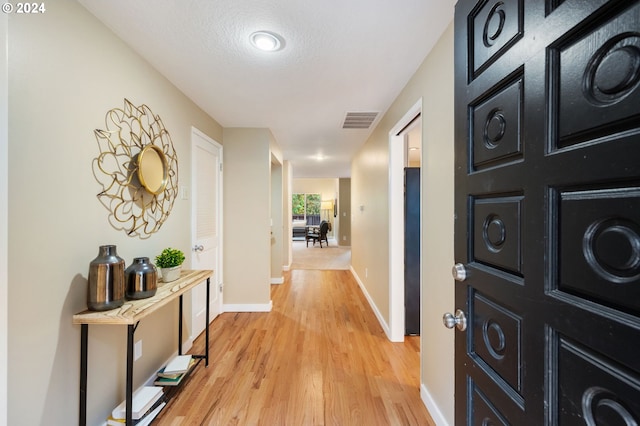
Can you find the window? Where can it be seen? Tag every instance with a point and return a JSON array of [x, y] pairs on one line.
[[306, 207]]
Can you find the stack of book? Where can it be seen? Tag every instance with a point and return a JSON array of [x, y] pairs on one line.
[[176, 370], [147, 403]]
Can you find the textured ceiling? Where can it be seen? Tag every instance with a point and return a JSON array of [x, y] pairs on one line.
[[339, 56]]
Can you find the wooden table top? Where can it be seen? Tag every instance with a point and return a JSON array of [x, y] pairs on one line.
[[133, 311]]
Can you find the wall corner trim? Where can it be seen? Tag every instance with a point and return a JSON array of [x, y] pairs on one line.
[[375, 309], [432, 407]]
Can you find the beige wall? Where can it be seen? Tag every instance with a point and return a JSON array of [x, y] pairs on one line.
[[433, 82], [344, 212], [437, 222], [60, 87], [370, 215], [66, 70], [247, 161], [4, 166], [328, 188]]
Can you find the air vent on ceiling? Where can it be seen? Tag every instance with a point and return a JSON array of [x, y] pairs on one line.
[[359, 120]]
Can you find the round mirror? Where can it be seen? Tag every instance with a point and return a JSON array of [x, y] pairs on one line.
[[152, 169]]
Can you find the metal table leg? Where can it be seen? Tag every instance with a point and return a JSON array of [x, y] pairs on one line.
[[180, 327], [129, 400], [84, 334], [206, 328]]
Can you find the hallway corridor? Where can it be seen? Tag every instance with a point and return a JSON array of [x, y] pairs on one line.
[[319, 358]]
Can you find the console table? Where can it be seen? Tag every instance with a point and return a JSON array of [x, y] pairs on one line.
[[130, 314]]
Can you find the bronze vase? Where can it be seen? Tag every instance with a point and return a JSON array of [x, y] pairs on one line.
[[142, 279], [106, 280]]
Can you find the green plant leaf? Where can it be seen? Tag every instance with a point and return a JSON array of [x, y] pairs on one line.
[[169, 258]]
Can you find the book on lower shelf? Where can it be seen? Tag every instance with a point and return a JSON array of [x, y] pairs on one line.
[[144, 421], [178, 365], [165, 381], [172, 379], [143, 400]]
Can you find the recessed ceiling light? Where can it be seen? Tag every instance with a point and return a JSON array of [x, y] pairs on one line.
[[267, 41]]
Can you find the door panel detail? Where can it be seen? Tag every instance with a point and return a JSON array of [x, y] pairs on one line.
[[598, 79], [547, 202], [599, 236], [609, 395], [496, 339], [495, 125], [495, 26], [497, 232], [483, 412], [207, 200]]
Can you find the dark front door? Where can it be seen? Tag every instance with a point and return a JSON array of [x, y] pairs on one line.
[[547, 208], [412, 255]]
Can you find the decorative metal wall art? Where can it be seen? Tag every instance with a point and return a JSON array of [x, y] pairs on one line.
[[137, 169]]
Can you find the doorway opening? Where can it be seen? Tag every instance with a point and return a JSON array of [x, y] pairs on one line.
[[406, 134], [412, 228], [277, 222]]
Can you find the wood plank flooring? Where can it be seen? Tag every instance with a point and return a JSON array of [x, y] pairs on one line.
[[319, 358]]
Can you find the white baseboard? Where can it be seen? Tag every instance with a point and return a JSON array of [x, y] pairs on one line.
[[186, 345], [279, 280], [248, 307], [286, 267], [379, 316], [432, 407]]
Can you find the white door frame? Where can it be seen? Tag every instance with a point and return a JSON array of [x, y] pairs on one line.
[[396, 224], [216, 282]]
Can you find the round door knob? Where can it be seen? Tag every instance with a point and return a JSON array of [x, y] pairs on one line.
[[198, 248], [459, 272], [459, 320]]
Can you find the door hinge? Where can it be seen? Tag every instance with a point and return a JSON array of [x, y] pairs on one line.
[[220, 288], [220, 166]]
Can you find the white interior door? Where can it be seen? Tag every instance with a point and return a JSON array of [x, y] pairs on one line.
[[206, 229]]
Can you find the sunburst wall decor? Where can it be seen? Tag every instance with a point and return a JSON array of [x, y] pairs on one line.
[[137, 169]]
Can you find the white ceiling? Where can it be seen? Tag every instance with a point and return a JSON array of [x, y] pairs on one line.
[[339, 56]]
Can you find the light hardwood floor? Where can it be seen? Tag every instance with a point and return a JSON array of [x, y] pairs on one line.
[[319, 358]]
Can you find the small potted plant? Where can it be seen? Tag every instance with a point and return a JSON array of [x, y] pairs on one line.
[[170, 263]]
